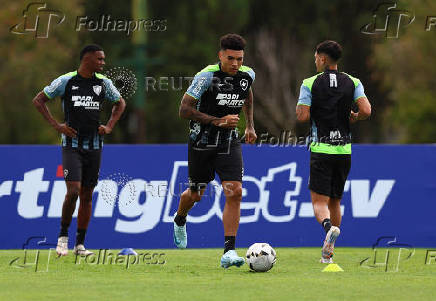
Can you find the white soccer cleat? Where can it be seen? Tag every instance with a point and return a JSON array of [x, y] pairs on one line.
[[180, 236], [62, 246], [326, 260], [231, 258], [329, 245], [81, 251]]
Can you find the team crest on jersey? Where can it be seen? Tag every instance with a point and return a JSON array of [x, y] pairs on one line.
[[244, 84], [65, 173], [97, 89]]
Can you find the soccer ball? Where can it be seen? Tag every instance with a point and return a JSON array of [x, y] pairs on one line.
[[261, 257]]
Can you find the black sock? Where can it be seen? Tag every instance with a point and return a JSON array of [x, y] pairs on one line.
[[80, 236], [327, 224], [180, 220], [64, 229], [229, 243]]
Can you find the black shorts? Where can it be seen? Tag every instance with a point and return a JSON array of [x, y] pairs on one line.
[[226, 161], [81, 165], [328, 174]]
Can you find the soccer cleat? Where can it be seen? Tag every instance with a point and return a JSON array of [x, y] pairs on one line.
[[180, 236], [231, 258], [81, 251], [326, 260], [329, 245], [62, 246]]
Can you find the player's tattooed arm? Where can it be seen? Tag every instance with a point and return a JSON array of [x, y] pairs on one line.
[[250, 133], [40, 104], [303, 113], [364, 110], [117, 111], [187, 110], [248, 110]]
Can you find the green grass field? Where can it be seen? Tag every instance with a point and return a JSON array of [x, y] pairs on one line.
[[194, 274]]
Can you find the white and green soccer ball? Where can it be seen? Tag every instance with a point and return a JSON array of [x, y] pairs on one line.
[[261, 257]]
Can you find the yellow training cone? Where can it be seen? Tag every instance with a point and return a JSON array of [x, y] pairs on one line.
[[333, 267]]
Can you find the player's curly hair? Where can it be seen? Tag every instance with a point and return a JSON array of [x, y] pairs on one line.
[[331, 48], [232, 41], [89, 48]]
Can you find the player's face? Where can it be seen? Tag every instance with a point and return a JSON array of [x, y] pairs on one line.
[[96, 61], [231, 60], [320, 62]]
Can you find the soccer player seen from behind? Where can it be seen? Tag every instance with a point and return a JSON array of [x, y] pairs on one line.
[[326, 100], [82, 93], [212, 103]]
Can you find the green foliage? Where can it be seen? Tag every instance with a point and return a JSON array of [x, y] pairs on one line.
[[28, 64], [397, 74], [405, 67]]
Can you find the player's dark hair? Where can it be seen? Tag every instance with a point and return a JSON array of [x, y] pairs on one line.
[[331, 48], [89, 48], [232, 41]]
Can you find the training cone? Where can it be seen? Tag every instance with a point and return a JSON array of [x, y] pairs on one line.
[[333, 267], [127, 251]]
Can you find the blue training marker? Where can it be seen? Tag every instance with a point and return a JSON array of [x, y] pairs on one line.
[[127, 251]]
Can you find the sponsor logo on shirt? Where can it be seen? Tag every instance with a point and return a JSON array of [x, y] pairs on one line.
[[85, 101], [229, 99]]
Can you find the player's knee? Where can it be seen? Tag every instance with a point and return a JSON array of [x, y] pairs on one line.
[[85, 199], [235, 194], [334, 202], [86, 194], [72, 193], [193, 196]]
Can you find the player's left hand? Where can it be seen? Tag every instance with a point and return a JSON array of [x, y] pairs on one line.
[[250, 136], [104, 130]]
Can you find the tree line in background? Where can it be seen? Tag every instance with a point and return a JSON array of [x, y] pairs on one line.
[[398, 74]]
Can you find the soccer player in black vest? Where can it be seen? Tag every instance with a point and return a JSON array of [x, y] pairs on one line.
[[326, 100], [212, 103], [82, 93]]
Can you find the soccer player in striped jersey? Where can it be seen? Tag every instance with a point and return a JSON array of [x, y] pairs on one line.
[[82, 93]]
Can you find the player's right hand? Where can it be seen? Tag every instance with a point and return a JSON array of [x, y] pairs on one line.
[[353, 117], [228, 121], [65, 129]]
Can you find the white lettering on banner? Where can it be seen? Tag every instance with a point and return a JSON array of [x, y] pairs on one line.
[[149, 212], [287, 200], [29, 190], [56, 201], [6, 188], [104, 206], [250, 205], [214, 210], [364, 205], [152, 202]]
